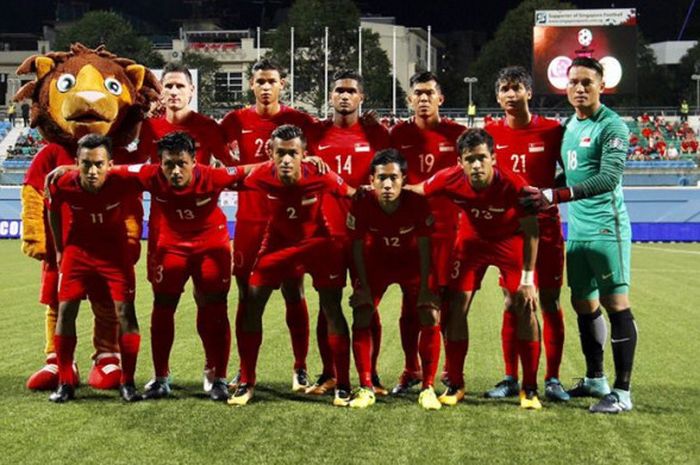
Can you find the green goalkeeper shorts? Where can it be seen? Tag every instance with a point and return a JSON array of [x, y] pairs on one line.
[[596, 268]]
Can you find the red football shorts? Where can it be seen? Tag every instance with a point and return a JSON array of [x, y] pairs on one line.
[[89, 273], [48, 294], [442, 258], [247, 240], [209, 267], [321, 257], [474, 256]]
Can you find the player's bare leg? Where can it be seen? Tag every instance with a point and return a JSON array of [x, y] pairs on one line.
[[65, 341], [553, 338], [249, 341], [339, 341], [297, 318], [456, 344]]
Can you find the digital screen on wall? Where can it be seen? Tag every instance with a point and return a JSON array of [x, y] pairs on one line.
[[609, 36]]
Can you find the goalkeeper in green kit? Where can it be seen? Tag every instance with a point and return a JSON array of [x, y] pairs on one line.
[[599, 236]]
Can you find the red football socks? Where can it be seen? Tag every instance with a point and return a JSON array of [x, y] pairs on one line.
[[529, 352], [162, 336], [340, 347], [509, 344], [553, 335], [362, 349], [297, 317], [324, 349], [65, 351], [376, 328], [429, 350], [456, 355], [129, 344], [217, 336], [248, 350], [409, 327]]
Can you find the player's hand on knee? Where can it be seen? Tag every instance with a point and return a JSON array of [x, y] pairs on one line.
[[526, 298], [361, 297], [428, 300]]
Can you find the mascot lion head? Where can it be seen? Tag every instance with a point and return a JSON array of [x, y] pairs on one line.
[[87, 91]]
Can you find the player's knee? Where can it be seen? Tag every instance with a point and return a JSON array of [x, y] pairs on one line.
[[362, 317], [127, 317], [166, 300], [205, 298], [549, 300], [292, 291]]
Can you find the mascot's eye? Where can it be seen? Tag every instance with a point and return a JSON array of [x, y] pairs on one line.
[[113, 86], [65, 82]]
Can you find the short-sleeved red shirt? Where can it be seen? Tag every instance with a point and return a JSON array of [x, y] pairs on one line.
[[491, 213], [252, 132]]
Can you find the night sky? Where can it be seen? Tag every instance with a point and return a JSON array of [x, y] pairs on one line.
[[659, 20]]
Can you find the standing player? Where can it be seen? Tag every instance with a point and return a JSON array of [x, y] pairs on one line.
[[495, 231], [347, 146], [599, 237], [528, 146], [192, 242], [178, 90], [94, 254], [295, 240], [427, 141], [391, 231], [250, 128]]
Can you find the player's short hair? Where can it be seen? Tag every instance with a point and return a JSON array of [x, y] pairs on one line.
[[349, 74], [288, 132], [424, 76], [386, 156], [473, 137], [265, 64], [92, 141], [514, 75], [176, 142], [586, 62], [176, 67]]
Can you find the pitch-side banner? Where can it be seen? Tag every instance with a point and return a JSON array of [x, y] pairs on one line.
[[608, 35]]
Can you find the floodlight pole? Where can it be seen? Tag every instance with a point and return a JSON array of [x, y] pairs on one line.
[[430, 28], [257, 32], [393, 71], [325, 77], [470, 80], [696, 78], [291, 67], [359, 55]]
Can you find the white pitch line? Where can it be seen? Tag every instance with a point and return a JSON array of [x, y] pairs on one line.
[[661, 249]]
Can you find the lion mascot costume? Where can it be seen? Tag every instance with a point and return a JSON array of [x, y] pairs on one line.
[[75, 93]]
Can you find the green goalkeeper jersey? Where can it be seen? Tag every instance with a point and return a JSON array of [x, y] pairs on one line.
[[594, 152]]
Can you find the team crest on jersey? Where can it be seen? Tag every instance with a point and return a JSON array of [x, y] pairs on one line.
[[134, 168], [585, 142], [309, 200], [535, 147], [350, 221], [361, 147], [445, 147], [616, 143], [232, 170]]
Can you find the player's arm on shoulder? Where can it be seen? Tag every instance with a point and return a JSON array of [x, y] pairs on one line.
[[416, 188], [56, 220], [219, 148]]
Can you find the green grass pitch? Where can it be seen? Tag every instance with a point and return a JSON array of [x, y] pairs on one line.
[[280, 427]]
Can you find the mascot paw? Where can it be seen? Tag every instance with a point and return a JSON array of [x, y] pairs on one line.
[[46, 378], [105, 373]]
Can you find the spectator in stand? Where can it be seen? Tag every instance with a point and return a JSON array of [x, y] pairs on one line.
[[12, 113], [684, 110], [660, 147], [645, 118], [25, 113], [634, 139], [646, 133], [471, 114], [638, 154], [672, 153]]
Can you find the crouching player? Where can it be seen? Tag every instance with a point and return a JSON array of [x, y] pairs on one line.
[[494, 231], [391, 228], [93, 256], [296, 240]]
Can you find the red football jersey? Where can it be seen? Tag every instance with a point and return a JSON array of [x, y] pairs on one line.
[[349, 152], [191, 214], [427, 151], [492, 213], [531, 152], [295, 210], [207, 134], [391, 237], [252, 132], [96, 222]]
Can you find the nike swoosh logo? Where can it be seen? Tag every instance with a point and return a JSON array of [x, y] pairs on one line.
[[406, 146], [324, 147], [74, 207], [272, 197], [606, 276], [309, 201], [333, 276], [406, 230], [499, 147], [201, 202], [614, 341], [114, 205], [161, 200], [246, 131]]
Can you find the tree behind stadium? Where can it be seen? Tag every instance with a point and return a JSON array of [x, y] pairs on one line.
[[309, 18]]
